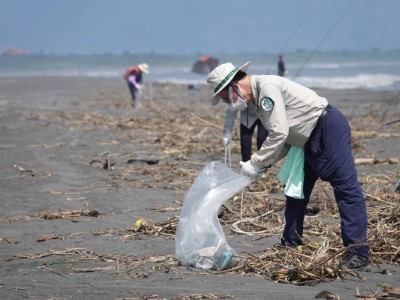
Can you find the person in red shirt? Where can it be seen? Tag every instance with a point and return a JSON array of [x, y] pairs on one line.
[[133, 77]]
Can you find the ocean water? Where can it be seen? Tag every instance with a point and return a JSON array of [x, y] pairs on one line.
[[368, 71], [377, 76]]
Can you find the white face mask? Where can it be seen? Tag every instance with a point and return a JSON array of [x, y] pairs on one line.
[[240, 103]]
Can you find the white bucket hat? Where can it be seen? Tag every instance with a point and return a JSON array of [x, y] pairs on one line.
[[144, 68], [220, 77]]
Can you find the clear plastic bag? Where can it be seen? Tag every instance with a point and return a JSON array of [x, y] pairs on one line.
[[200, 241]]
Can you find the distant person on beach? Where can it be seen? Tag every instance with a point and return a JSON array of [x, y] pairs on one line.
[[295, 115], [248, 123], [133, 76], [281, 66]]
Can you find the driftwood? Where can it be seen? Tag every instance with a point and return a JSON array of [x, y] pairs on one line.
[[375, 161], [149, 161]]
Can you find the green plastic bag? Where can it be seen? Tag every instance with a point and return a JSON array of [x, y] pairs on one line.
[[291, 173]]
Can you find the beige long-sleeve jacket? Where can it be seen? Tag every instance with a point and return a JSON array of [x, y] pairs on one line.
[[288, 110], [247, 117]]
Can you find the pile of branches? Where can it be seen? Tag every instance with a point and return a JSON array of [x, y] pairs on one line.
[[318, 259]]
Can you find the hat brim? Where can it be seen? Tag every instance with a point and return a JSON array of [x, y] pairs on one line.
[[146, 71], [216, 98], [144, 68]]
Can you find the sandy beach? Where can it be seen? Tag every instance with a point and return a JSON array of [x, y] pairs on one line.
[[79, 167]]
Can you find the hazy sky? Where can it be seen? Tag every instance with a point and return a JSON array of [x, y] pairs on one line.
[[204, 26]]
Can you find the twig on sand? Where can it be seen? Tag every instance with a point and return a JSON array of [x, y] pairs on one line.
[[205, 121]]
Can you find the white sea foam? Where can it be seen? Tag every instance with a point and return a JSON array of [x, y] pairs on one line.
[[364, 81], [371, 75]]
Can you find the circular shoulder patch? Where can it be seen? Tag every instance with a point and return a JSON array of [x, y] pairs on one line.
[[266, 103]]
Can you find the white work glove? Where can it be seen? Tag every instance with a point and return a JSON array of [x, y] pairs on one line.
[[251, 169], [227, 139], [138, 87]]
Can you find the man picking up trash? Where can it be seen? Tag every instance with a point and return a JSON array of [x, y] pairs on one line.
[[295, 115]]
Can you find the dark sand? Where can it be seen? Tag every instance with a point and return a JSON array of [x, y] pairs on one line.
[[55, 135]]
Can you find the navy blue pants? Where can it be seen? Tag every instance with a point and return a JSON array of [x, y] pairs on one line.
[[328, 156], [246, 135]]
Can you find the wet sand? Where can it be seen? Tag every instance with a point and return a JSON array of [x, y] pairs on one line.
[[65, 145]]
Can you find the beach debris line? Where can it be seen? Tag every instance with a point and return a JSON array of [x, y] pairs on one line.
[[30, 172], [49, 215], [165, 209], [136, 267], [47, 237], [389, 293], [141, 227], [202, 296], [386, 292], [142, 267], [165, 228], [374, 161], [7, 240]]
